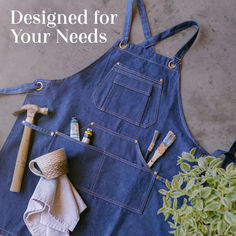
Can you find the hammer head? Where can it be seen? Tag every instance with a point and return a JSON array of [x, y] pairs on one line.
[[31, 110]]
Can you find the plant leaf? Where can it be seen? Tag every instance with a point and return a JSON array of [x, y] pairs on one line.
[[180, 181], [226, 202], [221, 171], [232, 196], [230, 190], [174, 184], [211, 198], [188, 157], [199, 204], [213, 206], [205, 192], [172, 226], [167, 184], [171, 232], [214, 163], [161, 210], [185, 167], [230, 218], [175, 204], [230, 167], [169, 203], [202, 162], [209, 158], [214, 225], [190, 184], [193, 151], [176, 194], [163, 191], [221, 226]]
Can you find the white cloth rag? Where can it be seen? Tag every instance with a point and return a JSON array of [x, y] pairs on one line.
[[54, 208]]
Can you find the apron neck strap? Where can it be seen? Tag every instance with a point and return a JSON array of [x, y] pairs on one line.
[[171, 31], [23, 88], [128, 21]]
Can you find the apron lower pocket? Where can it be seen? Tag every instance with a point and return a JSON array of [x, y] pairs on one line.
[[124, 184], [105, 175]]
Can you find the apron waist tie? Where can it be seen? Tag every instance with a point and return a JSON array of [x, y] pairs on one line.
[[23, 88]]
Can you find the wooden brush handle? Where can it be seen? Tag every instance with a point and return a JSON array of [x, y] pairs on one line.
[[21, 160]]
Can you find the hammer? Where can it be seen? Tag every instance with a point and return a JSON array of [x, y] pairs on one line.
[[31, 110]]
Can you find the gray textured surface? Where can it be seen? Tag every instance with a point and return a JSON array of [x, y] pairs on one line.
[[208, 72]]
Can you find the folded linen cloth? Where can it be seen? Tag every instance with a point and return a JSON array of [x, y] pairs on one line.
[[54, 208]]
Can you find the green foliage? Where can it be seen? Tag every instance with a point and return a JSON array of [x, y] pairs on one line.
[[208, 206]]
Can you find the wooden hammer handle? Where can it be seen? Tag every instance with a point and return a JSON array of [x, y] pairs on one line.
[[21, 160]]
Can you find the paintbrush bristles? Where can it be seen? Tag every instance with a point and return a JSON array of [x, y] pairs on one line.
[[169, 139]]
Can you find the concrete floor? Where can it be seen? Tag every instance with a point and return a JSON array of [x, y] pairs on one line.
[[208, 72]]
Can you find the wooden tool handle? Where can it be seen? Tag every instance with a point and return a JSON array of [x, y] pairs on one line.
[[21, 160]]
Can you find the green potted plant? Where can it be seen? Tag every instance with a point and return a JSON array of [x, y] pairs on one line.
[[201, 198]]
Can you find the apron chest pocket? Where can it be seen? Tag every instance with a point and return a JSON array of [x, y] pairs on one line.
[[129, 95]]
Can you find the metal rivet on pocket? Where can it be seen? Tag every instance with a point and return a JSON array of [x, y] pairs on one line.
[[136, 141], [161, 80], [52, 133], [57, 132], [118, 63], [92, 123], [158, 177], [155, 172]]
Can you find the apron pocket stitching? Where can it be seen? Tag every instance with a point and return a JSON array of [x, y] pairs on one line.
[[99, 86], [146, 92], [139, 77], [81, 143], [124, 118], [37, 128], [128, 162], [141, 156], [104, 152], [97, 175], [107, 98], [114, 133], [51, 143], [1, 229], [131, 88], [117, 86], [110, 200], [145, 198]]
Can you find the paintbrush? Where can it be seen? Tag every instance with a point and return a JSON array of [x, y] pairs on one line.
[[152, 144], [167, 142]]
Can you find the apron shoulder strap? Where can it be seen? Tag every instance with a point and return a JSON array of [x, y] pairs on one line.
[[151, 41], [128, 21], [23, 88], [170, 32]]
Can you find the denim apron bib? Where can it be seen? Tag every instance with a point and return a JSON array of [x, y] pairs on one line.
[[124, 96]]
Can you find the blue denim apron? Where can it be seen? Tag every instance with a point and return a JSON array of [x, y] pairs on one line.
[[124, 96]]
